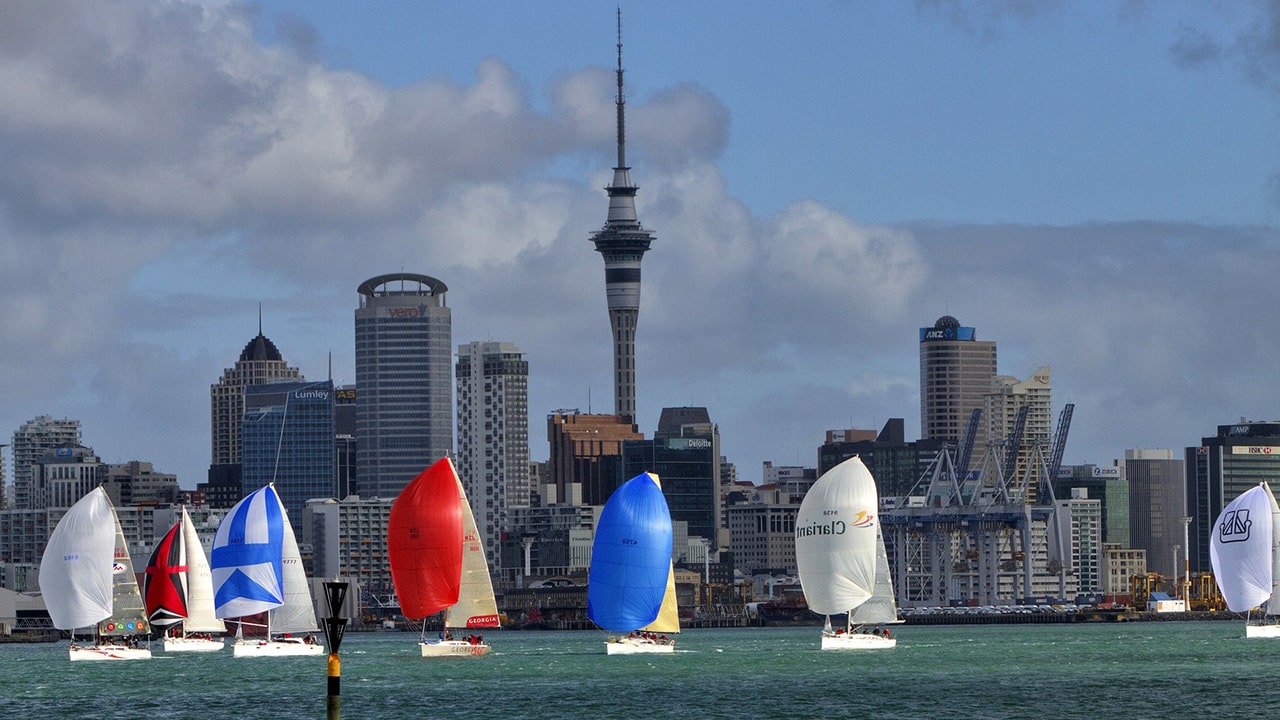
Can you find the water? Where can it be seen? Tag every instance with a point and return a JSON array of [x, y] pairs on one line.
[[1123, 670]]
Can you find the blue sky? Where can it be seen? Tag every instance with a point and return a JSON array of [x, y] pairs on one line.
[[1095, 186]]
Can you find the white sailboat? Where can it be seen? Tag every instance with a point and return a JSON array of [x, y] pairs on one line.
[[841, 558], [257, 568], [1245, 551], [86, 578], [178, 591]]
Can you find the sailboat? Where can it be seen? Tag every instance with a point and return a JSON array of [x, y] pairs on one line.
[[257, 568], [86, 578], [1245, 552], [631, 589], [178, 590], [438, 562], [841, 558]]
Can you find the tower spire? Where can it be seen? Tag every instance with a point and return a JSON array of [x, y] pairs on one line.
[[622, 242]]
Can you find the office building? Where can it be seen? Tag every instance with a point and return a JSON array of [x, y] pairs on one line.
[[289, 441], [1221, 468], [956, 372], [896, 465], [585, 461], [1106, 484], [30, 443], [259, 362], [344, 438], [685, 455], [622, 242], [1080, 523], [1157, 507], [404, 380], [493, 433]]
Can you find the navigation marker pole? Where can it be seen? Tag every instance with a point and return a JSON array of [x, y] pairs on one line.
[[334, 625]]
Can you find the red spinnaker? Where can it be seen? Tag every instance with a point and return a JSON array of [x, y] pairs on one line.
[[164, 583], [424, 542]]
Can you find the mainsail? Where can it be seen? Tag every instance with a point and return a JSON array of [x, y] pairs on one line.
[[128, 613], [424, 542], [836, 530], [630, 557], [200, 614], [1243, 551], [76, 568], [476, 606], [881, 608]]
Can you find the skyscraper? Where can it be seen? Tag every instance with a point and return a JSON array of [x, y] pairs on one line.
[[289, 440], [404, 380], [956, 370], [30, 443], [1239, 457], [1157, 505], [493, 433], [259, 362], [622, 242]]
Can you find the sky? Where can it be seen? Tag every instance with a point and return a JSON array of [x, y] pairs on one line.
[[1093, 185]]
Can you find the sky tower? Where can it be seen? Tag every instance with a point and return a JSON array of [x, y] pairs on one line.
[[622, 242]]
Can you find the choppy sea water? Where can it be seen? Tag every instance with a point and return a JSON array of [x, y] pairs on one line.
[[1122, 670]]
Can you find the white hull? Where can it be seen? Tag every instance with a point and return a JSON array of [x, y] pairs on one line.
[[857, 641], [108, 652], [1262, 631], [454, 648], [638, 646], [280, 647], [192, 644]]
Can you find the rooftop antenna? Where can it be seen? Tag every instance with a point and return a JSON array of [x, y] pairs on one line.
[[622, 140], [259, 317]]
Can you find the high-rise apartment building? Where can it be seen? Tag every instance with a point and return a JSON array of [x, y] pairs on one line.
[[493, 434], [404, 380], [1157, 506], [289, 441], [259, 362], [1239, 457], [622, 242], [956, 372], [65, 474], [1004, 403], [30, 443]]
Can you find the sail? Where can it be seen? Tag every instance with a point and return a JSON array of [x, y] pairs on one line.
[[1242, 549], [669, 614], [75, 570], [246, 561], [630, 556], [836, 539], [128, 612], [476, 606], [164, 582], [297, 614], [881, 608], [424, 541], [200, 615]]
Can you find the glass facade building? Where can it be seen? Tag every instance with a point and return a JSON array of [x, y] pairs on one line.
[[288, 440]]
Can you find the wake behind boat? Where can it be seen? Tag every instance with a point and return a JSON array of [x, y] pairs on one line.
[[257, 568], [631, 583], [842, 561], [1245, 553], [86, 578]]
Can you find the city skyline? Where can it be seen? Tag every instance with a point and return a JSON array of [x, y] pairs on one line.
[[1095, 189]]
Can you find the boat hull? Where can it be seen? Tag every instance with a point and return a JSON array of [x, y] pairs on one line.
[[454, 648], [108, 652], [1262, 631], [857, 641], [638, 646], [193, 645], [285, 647]]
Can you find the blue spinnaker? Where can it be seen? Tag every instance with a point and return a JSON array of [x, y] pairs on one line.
[[630, 557]]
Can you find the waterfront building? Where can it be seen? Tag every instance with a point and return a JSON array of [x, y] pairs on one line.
[[896, 465], [1022, 466], [586, 452], [956, 372], [1080, 522], [1106, 484], [622, 242], [404, 380], [1122, 564], [259, 362], [493, 434], [547, 541], [685, 455], [30, 443], [289, 441], [1157, 506], [1222, 467]]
